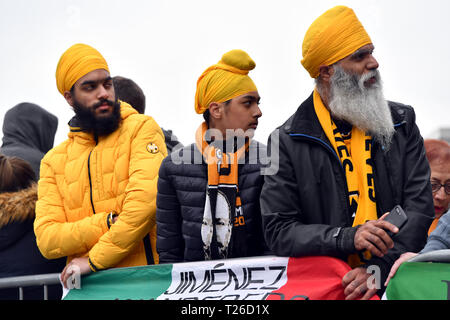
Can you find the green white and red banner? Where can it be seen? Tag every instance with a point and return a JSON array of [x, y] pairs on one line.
[[257, 278], [420, 281]]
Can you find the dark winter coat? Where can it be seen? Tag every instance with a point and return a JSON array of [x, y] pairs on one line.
[[439, 239], [305, 204], [28, 133], [181, 201], [19, 255], [171, 140]]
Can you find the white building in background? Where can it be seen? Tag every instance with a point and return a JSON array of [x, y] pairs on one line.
[[441, 134]]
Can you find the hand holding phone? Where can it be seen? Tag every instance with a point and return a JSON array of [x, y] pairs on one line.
[[376, 235], [397, 217]]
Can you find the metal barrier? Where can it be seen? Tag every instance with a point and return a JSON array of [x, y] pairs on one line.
[[27, 281], [433, 256]]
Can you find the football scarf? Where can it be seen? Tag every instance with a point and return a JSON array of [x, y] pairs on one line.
[[355, 155], [223, 226]]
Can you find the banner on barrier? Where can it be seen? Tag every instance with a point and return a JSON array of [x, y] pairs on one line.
[[257, 278], [420, 281]]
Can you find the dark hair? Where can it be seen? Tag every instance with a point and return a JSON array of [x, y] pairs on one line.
[[128, 91], [206, 116], [15, 174]]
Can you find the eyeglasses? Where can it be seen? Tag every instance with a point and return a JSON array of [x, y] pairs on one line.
[[435, 187]]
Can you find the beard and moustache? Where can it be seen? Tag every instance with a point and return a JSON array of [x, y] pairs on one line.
[[364, 107], [98, 125]]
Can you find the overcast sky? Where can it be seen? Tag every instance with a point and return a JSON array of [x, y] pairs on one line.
[[165, 45]]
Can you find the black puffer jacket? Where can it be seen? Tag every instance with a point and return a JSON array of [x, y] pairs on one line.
[[172, 142], [181, 200], [28, 133], [305, 204]]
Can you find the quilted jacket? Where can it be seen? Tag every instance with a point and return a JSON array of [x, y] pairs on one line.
[[182, 184], [83, 180]]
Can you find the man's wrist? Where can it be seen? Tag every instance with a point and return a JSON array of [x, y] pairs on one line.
[[345, 239]]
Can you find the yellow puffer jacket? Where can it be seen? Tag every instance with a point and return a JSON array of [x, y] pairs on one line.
[[82, 181]]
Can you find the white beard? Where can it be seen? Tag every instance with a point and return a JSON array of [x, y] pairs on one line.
[[364, 107]]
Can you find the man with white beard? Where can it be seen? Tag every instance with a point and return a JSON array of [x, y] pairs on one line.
[[346, 158], [354, 99]]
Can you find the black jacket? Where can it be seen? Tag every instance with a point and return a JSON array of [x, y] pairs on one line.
[[171, 140], [19, 254], [28, 133], [305, 204], [181, 200]]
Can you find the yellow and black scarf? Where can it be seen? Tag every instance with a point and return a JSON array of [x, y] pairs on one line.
[[355, 155], [223, 227]]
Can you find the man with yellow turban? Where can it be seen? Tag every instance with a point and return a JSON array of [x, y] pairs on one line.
[[97, 189], [346, 157], [208, 192]]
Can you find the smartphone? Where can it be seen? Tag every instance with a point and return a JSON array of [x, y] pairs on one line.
[[397, 217]]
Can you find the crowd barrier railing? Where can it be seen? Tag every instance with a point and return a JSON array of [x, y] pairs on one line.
[[21, 282]]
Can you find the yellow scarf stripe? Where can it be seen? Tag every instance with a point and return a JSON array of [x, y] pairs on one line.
[[355, 156]]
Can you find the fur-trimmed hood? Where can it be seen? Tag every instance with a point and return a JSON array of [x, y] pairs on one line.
[[19, 254], [18, 206]]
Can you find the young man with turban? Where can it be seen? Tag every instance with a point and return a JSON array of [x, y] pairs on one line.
[[208, 192], [97, 189], [346, 157]]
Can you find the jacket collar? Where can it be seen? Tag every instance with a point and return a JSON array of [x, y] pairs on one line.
[[76, 131], [304, 122], [256, 154]]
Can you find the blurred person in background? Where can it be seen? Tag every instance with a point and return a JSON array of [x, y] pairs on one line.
[[438, 154], [28, 133], [19, 254], [127, 90]]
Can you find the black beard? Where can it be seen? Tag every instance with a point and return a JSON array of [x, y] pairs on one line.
[[101, 126]]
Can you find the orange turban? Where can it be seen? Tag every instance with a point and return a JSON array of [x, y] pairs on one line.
[[225, 80], [76, 62], [333, 36]]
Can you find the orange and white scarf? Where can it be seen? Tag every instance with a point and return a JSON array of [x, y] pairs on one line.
[[223, 217]]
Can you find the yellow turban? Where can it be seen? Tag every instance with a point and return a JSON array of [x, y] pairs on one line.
[[76, 62], [333, 36], [225, 80]]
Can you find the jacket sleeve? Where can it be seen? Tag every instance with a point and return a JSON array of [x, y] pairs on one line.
[[170, 243], [415, 196], [138, 215], [55, 236], [439, 239], [284, 231]]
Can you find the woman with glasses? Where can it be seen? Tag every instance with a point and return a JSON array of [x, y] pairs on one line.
[[438, 155]]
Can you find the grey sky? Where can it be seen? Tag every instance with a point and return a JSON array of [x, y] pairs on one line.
[[165, 46]]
